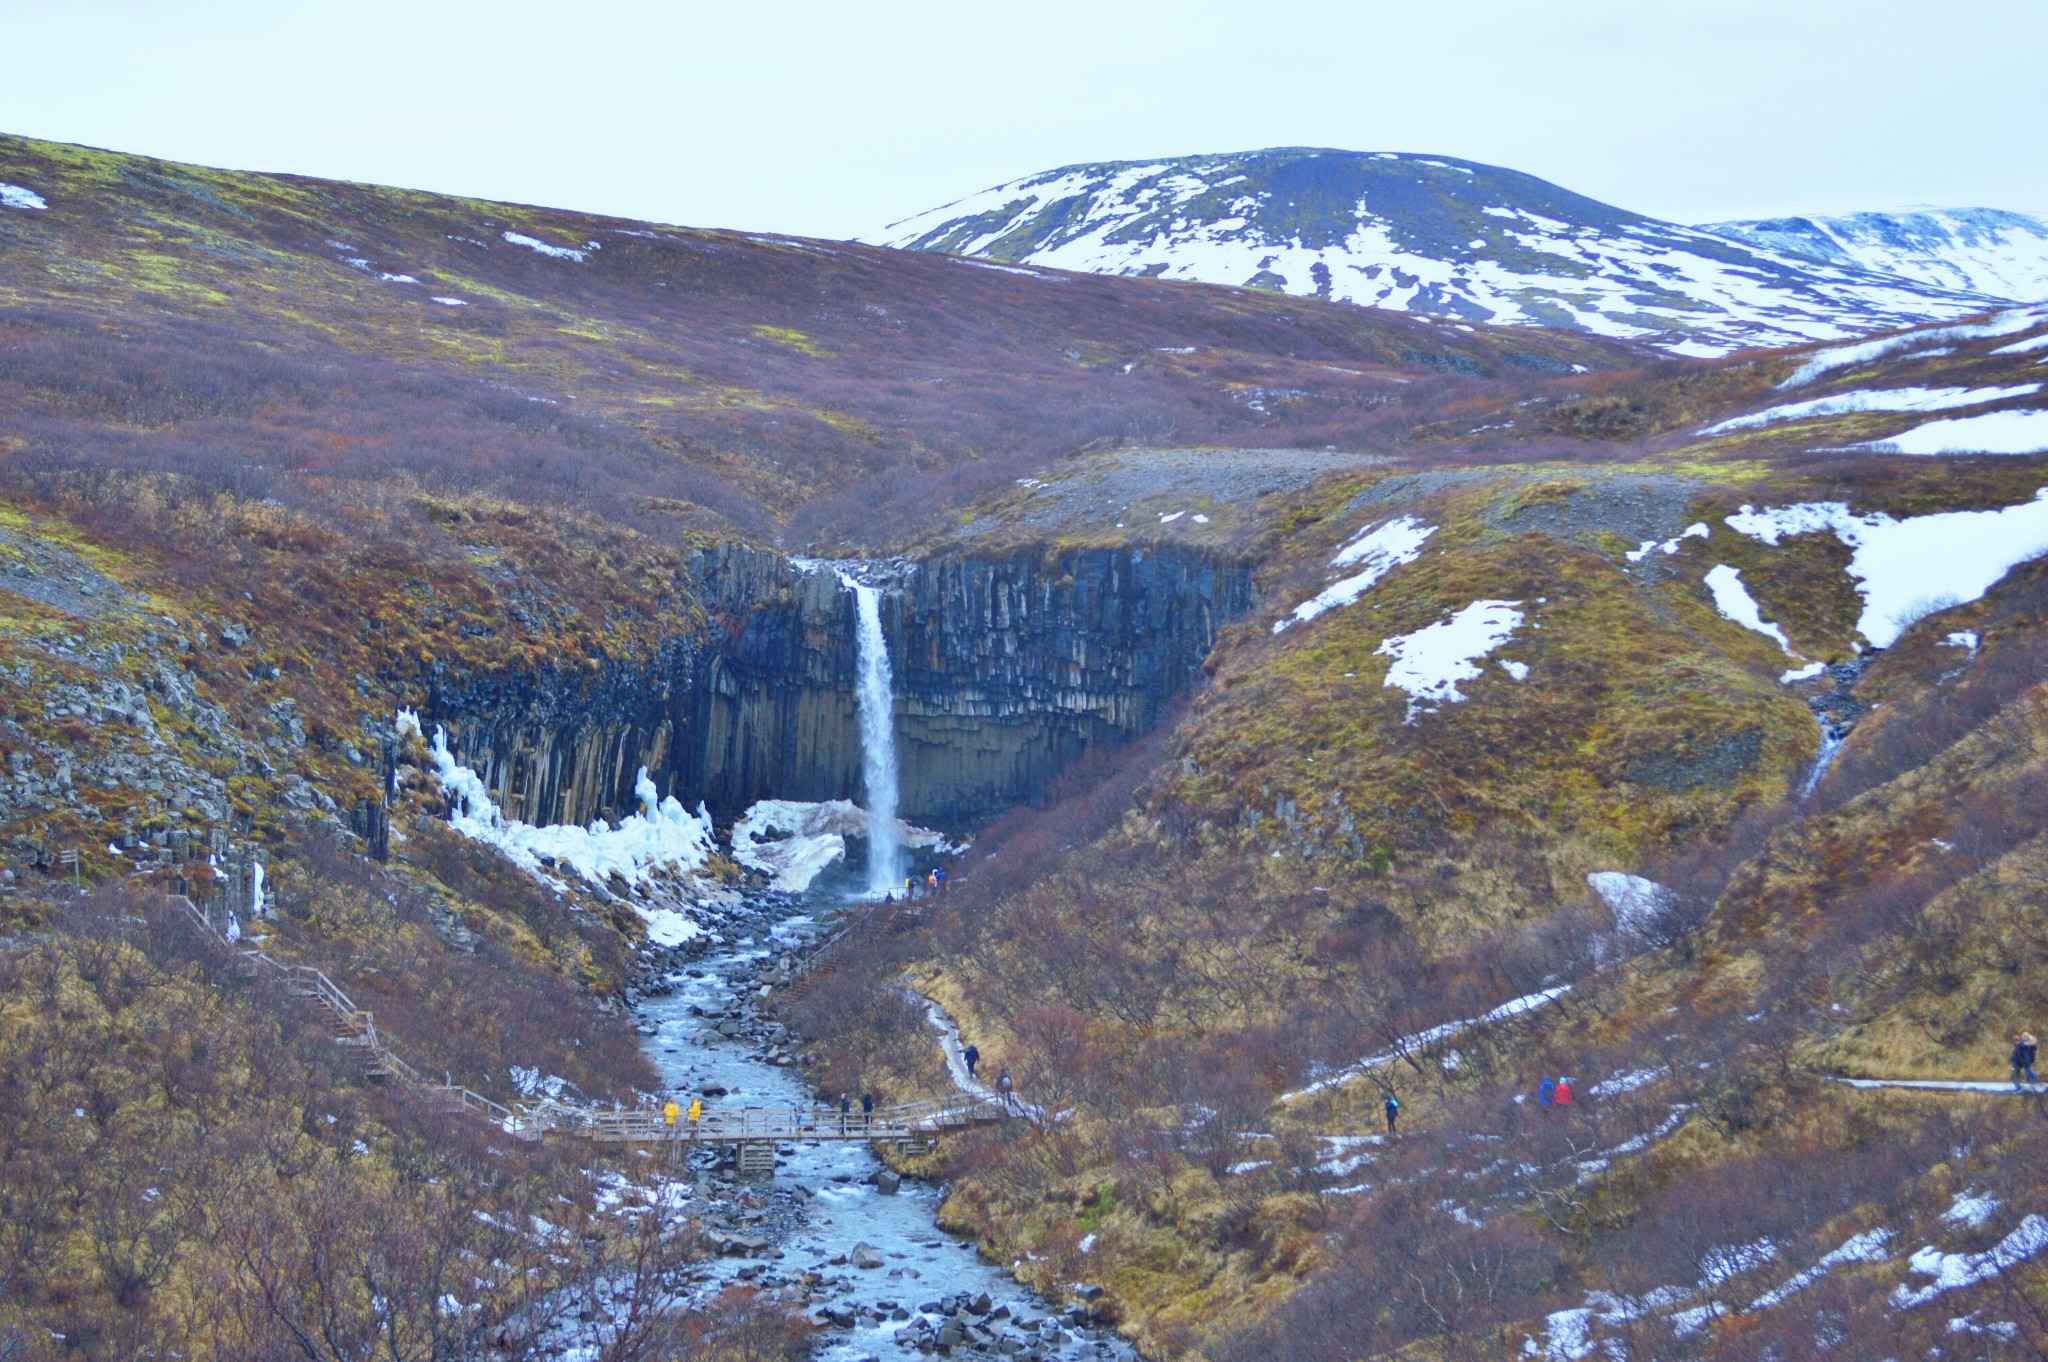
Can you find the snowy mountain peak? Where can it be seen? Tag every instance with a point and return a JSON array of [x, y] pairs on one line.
[[1977, 250], [1430, 234]]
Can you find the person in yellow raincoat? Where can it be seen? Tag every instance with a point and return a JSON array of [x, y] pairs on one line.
[[671, 1111], [696, 1110]]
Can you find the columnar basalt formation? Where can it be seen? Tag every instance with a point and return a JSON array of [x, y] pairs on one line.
[[1010, 668], [1006, 669]]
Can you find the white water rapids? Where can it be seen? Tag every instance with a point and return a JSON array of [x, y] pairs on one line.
[[876, 695]]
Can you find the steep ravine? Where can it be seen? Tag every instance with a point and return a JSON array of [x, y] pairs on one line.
[[1006, 669]]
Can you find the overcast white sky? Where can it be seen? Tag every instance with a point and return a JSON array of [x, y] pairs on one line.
[[832, 119]]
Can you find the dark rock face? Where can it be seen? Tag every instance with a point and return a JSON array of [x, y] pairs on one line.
[[1006, 669]]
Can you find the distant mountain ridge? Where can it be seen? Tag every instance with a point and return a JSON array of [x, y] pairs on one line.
[[1434, 235], [1977, 250]]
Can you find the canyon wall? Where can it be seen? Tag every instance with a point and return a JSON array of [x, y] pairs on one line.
[[1006, 669]]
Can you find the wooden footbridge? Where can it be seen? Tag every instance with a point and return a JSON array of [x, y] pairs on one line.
[[751, 1132]]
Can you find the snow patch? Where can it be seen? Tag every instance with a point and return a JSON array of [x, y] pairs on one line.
[[1380, 549], [452, 302], [1628, 1082], [1991, 432], [1696, 530], [1805, 673], [530, 1083], [17, 196], [1953, 1271], [1514, 1007], [1971, 1208], [1632, 899], [1429, 663], [1010, 269], [1888, 399], [1732, 1260], [1734, 602], [536, 244], [1867, 1247], [1843, 356], [1905, 568]]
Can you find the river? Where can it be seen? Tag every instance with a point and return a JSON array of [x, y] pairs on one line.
[[822, 1203]]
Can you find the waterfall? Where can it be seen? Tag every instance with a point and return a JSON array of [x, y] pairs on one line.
[[1831, 736], [877, 738]]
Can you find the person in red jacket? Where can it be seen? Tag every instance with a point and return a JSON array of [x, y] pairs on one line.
[[1563, 1095]]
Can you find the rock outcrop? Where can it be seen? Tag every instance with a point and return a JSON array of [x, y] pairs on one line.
[[1006, 669]]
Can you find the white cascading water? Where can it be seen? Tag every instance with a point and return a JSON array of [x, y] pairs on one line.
[[877, 700]]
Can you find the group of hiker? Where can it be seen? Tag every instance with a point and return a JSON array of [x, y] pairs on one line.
[[932, 881], [1551, 1092], [867, 1110], [970, 1054], [672, 1112], [1557, 1092]]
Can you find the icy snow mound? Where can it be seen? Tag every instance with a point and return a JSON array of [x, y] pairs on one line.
[[663, 836], [1430, 662], [1381, 548], [1905, 569], [793, 842], [17, 196], [1886, 399]]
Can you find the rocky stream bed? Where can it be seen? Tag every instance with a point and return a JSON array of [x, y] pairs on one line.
[[834, 1230]]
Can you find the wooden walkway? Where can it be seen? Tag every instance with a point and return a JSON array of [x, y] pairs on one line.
[[1996, 1087], [752, 1131]]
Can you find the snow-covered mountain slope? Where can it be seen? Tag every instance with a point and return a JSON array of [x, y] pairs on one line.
[[1424, 234], [1977, 250]]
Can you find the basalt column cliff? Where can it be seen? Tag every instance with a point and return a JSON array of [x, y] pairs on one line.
[[1006, 669]]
